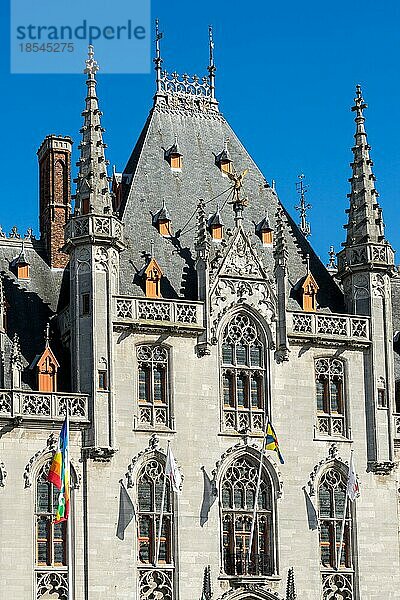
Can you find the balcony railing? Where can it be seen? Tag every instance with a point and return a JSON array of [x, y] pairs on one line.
[[328, 326], [242, 564], [179, 312], [42, 405]]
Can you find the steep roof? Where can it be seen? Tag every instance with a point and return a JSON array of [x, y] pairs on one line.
[[194, 119]]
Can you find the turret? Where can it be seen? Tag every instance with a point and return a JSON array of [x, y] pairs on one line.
[[365, 266], [93, 238]]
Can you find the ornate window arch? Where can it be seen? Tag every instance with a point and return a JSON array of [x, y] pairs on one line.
[[237, 493], [245, 374], [155, 575], [153, 391], [331, 496], [331, 397]]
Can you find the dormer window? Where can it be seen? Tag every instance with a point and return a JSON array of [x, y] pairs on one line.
[[174, 157], [153, 274], [216, 226], [310, 289], [162, 221], [223, 161], [21, 265], [47, 367], [265, 232]]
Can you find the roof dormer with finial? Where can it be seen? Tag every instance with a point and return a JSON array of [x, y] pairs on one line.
[[93, 214]]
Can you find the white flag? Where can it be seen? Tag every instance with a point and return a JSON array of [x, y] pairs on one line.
[[172, 471], [353, 489]]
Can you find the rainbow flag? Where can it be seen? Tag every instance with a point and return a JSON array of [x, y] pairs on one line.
[[59, 473], [271, 441]]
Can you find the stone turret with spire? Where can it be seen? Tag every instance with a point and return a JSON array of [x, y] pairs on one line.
[[94, 240], [365, 266]]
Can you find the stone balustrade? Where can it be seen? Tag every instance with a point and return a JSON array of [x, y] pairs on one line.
[[328, 326], [177, 312], [42, 405]]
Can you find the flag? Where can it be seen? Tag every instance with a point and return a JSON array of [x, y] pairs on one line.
[[172, 471], [209, 497], [353, 488], [59, 473], [271, 441], [126, 511]]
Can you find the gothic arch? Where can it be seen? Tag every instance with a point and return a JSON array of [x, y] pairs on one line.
[[253, 314], [330, 461], [252, 451], [40, 457], [137, 462]]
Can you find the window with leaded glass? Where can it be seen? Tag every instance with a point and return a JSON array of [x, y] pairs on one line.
[[153, 387], [238, 491], [150, 490], [331, 503], [330, 399], [243, 375], [51, 538]]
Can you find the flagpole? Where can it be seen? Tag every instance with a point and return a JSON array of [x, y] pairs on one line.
[[253, 522], [339, 554], [162, 510], [69, 520]]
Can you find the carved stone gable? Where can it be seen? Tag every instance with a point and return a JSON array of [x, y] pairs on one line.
[[240, 259]]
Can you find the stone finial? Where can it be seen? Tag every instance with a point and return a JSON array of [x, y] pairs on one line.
[[290, 586], [91, 64], [303, 206]]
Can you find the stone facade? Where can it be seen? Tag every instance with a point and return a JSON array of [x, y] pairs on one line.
[[227, 345]]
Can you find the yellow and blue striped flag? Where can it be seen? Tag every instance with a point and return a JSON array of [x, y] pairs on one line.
[[271, 441]]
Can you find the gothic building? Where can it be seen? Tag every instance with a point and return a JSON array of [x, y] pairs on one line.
[[178, 301]]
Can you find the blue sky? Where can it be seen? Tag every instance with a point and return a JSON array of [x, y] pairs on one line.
[[285, 81]]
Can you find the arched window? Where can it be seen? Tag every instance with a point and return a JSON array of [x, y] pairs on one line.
[[149, 497], [153, 387], [243, 375], [331, 503], [51, 539], [330, 397], [238, 489]]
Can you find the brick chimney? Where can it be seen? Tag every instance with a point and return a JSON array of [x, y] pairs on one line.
[[54, 157]]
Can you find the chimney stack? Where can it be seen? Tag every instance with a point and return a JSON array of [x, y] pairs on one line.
[[54, 157]]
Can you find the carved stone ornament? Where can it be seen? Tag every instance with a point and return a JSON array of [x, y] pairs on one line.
[[360, 287], [381, 467], [333, 458], [152, 450], [250, 591], [48, 451], [238, 260], [101, 453], [243, 447], [378, 285], [101, 259], [3, 474], [229, 293]]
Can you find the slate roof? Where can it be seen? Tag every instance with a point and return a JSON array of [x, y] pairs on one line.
[[31, 304], [201, 136]]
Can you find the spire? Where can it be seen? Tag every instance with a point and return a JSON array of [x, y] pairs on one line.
[[302, 189], [280, 247], [47, 335], [290, 587], [365, 215], [158, 60], [93, 193], [211, 65]]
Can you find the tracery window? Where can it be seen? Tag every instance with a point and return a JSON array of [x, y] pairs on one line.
[[331, 503], [243, 375], [153, 387], [238, 498], [149, 498], [51, 539], [331, 406]]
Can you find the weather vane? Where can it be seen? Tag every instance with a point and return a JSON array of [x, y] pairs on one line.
[[303, 207]]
